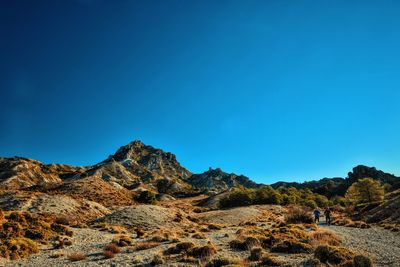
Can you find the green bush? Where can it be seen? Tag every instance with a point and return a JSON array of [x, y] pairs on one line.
[[146, 197], [238, 197], [267, 195], [308, 203]]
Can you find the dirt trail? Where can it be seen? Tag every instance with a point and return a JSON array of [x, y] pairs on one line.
[[380, 244]]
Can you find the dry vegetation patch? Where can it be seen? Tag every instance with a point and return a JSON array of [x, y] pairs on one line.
[[21, 232], [324, 237]]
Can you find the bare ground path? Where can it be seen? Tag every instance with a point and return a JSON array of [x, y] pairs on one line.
[[380, 244]]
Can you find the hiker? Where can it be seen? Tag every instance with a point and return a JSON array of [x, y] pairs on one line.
[[327, 213], [317, 213]]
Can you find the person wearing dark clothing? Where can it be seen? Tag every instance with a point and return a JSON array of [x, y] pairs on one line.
[[327, 213], [317, 213]]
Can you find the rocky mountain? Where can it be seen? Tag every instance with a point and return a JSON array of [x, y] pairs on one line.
[[133, 167], [17, 172], [218, 180], [137, 164], [338, 186]]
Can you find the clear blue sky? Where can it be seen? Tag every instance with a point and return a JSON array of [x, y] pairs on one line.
[[275, 90]]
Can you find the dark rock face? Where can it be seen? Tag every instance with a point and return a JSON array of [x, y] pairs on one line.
[[362, 171], [219, 180]]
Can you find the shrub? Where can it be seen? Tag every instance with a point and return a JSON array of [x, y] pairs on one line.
[[267, 195], [157, 260], [268, 260], [212, 226], [298, 214], [238, 244], [362, 261], [1, 215], [332, 254], [238, 197], [203, 251], [244, 243], [324, 237], [146, 245], [180, 247], [113, 248], [291, 246], [309, 203], [146, 197], [140, 232], [17, 248], [219, 262], [123, 241], [108, 254], [77, 256], [65, 220], [255, 254], [365, 190]]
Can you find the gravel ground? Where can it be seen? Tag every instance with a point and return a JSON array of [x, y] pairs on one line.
[[380, 244]]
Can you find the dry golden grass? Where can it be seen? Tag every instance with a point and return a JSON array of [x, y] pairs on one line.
[[179, 248], [268, 260], [17, 248], [203, 252], [296, 214], [333, 255], [324, 237], [227, 261], [22, 231], [123, 241], [146, 245]]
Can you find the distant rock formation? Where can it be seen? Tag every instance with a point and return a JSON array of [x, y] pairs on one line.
[[338, 186], [218, 180], [362, 171]]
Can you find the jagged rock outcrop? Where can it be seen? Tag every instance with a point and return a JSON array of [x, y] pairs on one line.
[[362, 171], [138, 164], [218, 180]]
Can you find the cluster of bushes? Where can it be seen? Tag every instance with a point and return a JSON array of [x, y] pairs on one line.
[[295, 239], [22, 232], [241, 196]]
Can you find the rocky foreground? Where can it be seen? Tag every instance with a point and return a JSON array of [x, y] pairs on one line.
[[177, 233]]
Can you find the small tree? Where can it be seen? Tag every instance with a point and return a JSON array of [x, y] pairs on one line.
[[267, 195], [364, 191]]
